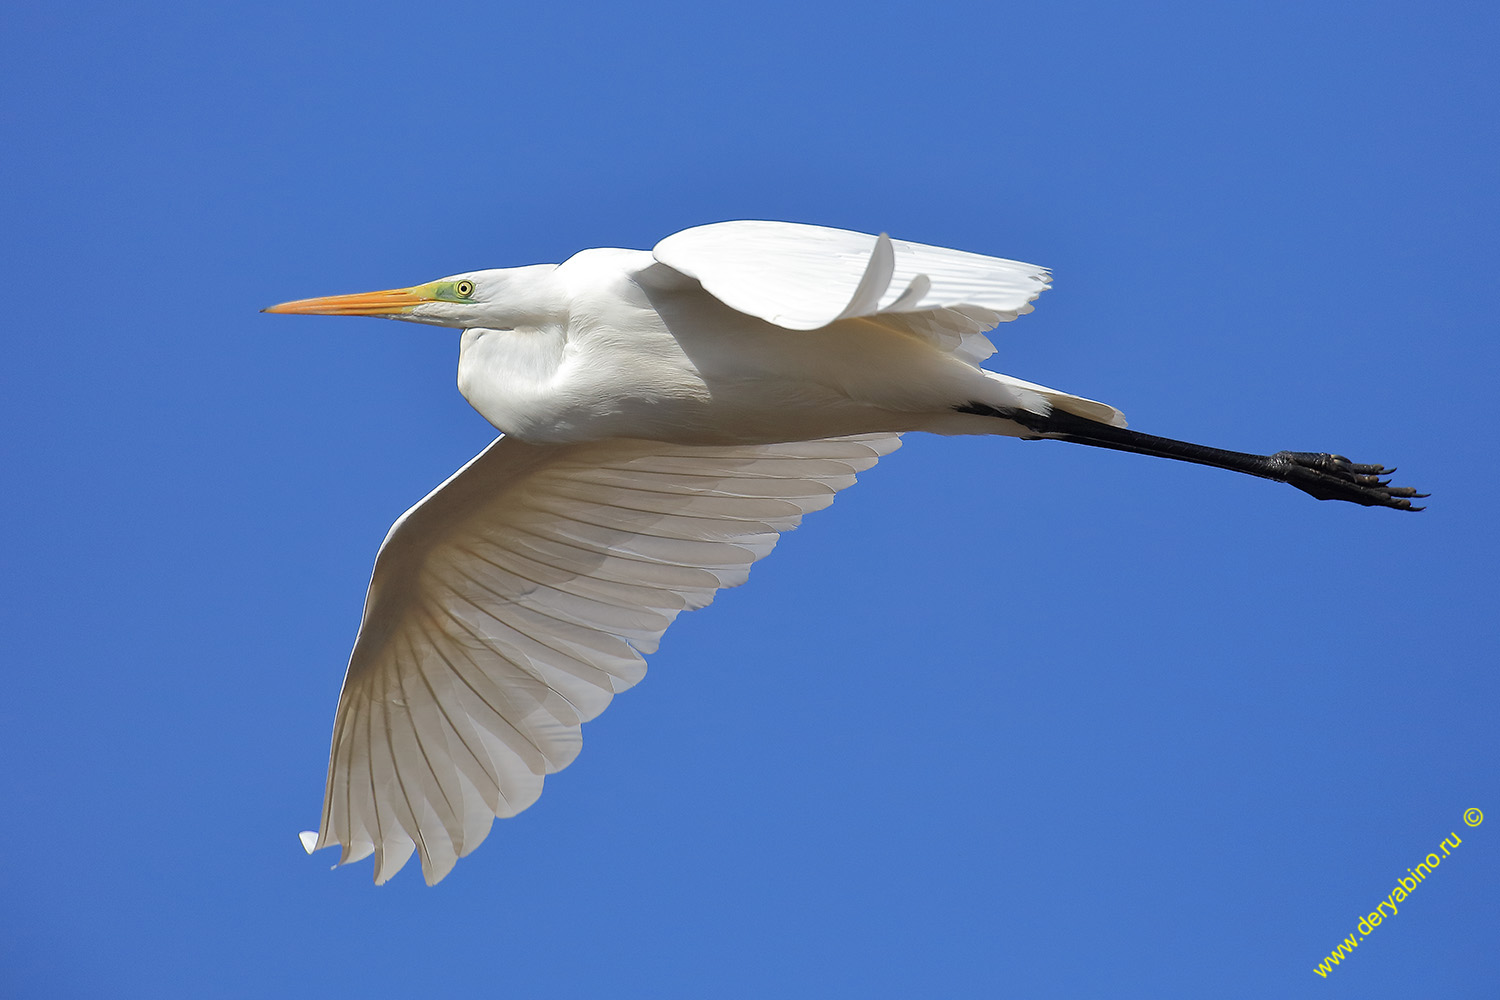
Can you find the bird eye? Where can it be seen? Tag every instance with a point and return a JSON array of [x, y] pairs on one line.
[[465, 288]]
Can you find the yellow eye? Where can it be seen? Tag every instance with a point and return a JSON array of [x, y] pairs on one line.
[[464, 288]]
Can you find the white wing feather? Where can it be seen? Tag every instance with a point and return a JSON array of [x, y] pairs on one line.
[[514, 601], [803, 277]]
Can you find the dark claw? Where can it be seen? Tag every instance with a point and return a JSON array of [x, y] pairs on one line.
[[1334, 477]]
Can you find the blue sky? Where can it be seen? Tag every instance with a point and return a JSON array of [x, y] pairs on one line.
[[1010, 719]]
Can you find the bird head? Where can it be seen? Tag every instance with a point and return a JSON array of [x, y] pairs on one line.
[[453, 301], [477, 299]]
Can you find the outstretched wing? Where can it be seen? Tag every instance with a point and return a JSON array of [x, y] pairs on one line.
[[514, 601], [803, 277]]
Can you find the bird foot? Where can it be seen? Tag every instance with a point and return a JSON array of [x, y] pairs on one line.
[[1334, 477]]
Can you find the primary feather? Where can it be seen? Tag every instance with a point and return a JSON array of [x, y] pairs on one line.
[[511, 605]]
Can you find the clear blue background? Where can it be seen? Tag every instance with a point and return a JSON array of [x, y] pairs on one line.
[[1018, 720]]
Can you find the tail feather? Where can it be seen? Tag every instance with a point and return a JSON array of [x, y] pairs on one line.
[[1067, 402]]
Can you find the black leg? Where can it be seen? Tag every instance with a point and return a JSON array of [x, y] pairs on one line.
[[1327, 477]]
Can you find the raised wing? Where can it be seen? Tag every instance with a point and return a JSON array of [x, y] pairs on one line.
[[514, 601], [803, 277]]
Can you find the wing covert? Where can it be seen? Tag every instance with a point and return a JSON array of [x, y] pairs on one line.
[[803, 277]]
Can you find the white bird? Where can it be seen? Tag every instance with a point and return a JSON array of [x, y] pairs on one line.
[[665, 414]]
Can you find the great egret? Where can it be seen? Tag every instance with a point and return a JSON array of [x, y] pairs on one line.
[[665, 414]]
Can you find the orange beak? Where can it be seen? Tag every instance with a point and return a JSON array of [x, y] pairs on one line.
[[392, 302]]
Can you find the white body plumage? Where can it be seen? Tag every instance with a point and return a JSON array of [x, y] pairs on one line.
[[617, 343]]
